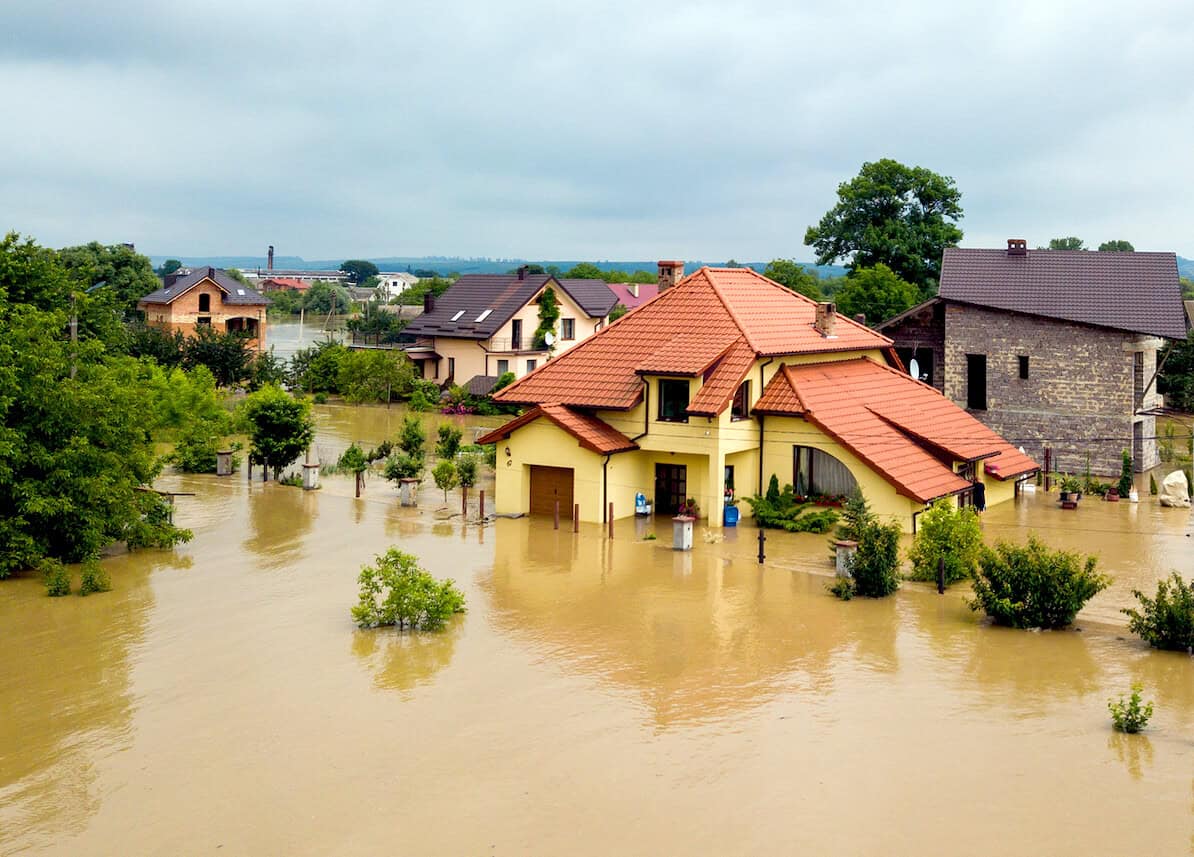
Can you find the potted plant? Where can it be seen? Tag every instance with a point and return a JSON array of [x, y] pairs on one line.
[[1070, 487]]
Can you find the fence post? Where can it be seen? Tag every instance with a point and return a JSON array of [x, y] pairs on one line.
[[611, 520], [1048, 467], [762, 539], [481, 505], [555, 517], [576, 518], [940, 575]]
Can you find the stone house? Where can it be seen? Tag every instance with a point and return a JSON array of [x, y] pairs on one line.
[[484, 325], [722, 381], [206, 297], [1052, 349]]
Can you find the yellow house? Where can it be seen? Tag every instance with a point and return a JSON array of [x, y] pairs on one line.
[[207, 298], [484, 326], [722, 381]]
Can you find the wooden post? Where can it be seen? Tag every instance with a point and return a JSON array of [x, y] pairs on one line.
[[611, 520], [464, 501], [1048, 466], [576, 518], [555, 517], [481, 505], [940, 575], [359, 477], [762, 539]]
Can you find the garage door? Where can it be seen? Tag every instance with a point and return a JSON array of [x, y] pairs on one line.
[[549, 484]]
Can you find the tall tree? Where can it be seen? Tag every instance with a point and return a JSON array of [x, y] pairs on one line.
[[168, 267], [903, 217], [1072, 242], [359, 270], [280, 426], [128, 276], [790, 273], [584, 271], [1117, 246], [877, 293]]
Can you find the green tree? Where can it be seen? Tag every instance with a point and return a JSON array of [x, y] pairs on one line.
[[876, 292], [317, 369], [1176, 380], [466, 468], [445, 476], [549, 314], [948, 533], [359, 270], [901, 216], [375, 376], [236, 274], [127, 274], [1117, 246], [354, 461], [414, 295], [1073, 242], [790, 273], [584, 271], [164, 347], [449, 441], [168, 267], [396, 591], [280, 427], [412, 438], [227, 355], [327, 298], [1031, 586]]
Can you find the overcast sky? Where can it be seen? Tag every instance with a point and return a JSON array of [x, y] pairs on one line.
[[556, 130]]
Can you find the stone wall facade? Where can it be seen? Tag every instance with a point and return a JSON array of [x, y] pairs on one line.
[[1083, 387]]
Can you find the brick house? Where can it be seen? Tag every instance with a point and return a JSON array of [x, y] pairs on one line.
[[1050, 348], [206, 297]]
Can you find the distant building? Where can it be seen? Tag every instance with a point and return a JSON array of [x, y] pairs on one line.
[[393, 283], [1051, 348], [206, 297], [284, 284], [634, 295], [308, 275]]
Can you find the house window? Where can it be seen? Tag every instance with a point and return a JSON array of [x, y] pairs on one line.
[[740, 409], [1023, 358], [205, 320], [976, 382], [673, 400], [516, 334], [204, 303], [503, 367], [568, 328], [451, 367], [818, 474], [531, 364]]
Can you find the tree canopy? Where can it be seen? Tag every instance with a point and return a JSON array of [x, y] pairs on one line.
[[128, 276], [903, 217], [1072, 242], [790, 273], [280, 426], [359, 270], [877, 293], [1117, 246]]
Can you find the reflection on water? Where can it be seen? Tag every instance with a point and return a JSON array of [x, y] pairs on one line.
[[623, 697]]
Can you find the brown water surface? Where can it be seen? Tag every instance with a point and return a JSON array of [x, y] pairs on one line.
[[598, 698]]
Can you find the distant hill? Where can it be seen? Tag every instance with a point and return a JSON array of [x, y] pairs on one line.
[[453, 264], [1185, 268]]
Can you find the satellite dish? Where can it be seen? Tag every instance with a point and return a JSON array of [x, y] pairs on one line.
[[914, 368], [549, 338]]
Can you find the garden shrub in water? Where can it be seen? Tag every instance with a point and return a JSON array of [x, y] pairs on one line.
[[55, 576], [842, 587], [780, 510], [94, 578], [396, 591], [404, 466], [1125, 475], [449, 441], [466, 469], [1031, 586], [945, 531], [412, 437], [874, 567], [1132, 714], [1167, 620], [445, 476]]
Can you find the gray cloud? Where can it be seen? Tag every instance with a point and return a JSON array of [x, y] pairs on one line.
[[622, 129]]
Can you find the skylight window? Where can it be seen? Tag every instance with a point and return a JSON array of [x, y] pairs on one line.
[[240, 292], [459, 313], [483, 316]]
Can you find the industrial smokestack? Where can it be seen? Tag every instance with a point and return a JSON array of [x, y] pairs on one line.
[[269, 264]]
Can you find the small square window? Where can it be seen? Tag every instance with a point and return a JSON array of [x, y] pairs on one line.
[[531, 364], [503, 367], [568, 328], [1023, 358]]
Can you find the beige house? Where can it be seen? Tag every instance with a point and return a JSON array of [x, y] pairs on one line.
[[484, 326], [206, 297]]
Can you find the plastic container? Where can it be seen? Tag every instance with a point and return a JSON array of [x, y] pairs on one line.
[[731, 516]]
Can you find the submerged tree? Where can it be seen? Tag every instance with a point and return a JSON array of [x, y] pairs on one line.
[[279, 426]]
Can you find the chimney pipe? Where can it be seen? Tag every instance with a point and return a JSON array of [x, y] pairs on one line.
[[428, 302], [522, 272], [1017, 247], [632, 288], [671, 271], [826, 319], [269, 266], [860, 318]]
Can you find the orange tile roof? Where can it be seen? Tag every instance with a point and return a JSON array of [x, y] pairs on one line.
[[684, 354], [905, 430], [721, 383], [592, 433], [718, 306]]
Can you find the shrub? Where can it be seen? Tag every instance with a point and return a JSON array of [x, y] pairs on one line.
[[1125, 474], [404, 466], [488, 452], [875, 564], [353, 460], [55, 577], [949, 533], [196, 450], [396, 591], [320, 398], [1152, 485], [782, 511], [449, 440], [856, 513], [445, 476], [1130, 715], [1030, 586], [412, 437], [94, 578], [1166, 621], [424, 396], [466, 468], [842, 587]]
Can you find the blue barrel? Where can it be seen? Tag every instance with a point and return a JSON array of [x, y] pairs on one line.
[[731, 516]]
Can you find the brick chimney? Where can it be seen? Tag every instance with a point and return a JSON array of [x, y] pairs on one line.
[[826, 319], [428, 302], [1017, 247], [522, 272], [671, 271], [269, 263]]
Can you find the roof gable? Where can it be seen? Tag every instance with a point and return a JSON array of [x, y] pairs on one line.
[[590, 432], [234, 293], [1136, 292]]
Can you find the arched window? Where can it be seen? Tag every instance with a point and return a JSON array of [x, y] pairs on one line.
[[205, 303], [817, 473]]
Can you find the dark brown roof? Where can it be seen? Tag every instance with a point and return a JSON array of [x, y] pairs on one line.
[[234, 292], [1137, 292], [480, 385], [457, 310]]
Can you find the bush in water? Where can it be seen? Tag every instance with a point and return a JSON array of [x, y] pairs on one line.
[[94, 578], [445, 476], [1132, 714], [949, 533], [396, 591], [875, 565], [1030, 586], [55, 576], [1167, 620]]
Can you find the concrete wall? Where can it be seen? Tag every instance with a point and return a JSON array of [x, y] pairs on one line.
[[183, 314], [1078, 398]]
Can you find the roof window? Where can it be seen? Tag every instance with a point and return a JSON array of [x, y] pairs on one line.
[[459, 313], [483, 316], [240, 292]]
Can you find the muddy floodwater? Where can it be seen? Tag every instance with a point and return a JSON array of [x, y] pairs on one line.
[[599, 697]]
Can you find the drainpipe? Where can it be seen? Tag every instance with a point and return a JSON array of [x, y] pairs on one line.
[[605, 488], [646, 410], [762, 417]]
